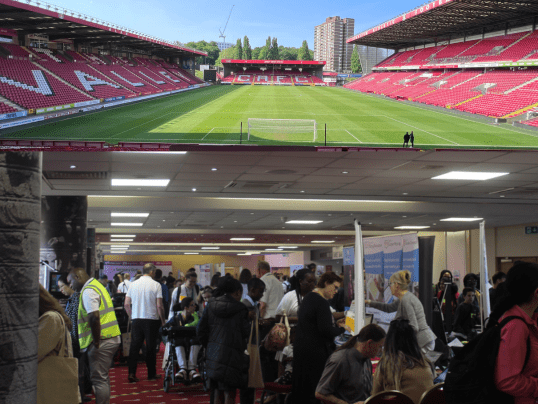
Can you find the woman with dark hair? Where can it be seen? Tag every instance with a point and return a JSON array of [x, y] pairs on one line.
[[407, 307], [444, 278], [53, 340], [215, 280], [302, 283], [314, 340], [187, 317], [223, 330], [118, 278], [244, 277], [516, 371], [403, 366], [348, 372]]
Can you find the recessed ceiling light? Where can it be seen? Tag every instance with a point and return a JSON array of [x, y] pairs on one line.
[[468, 175], [501, 196], [210, 248], [251, 213], [404, 216], [302, 192], [412, 227], [242, 238], [461, 219], [244, 254], [273, 249], [191, 253], [119, 246], [126, 224], [304, 221], [235, 221], [345, 172], [120, 214], [123, 235], [194, 190], [121, 240], [164, 220], [405, 193], [370, 223], [322, 241], [288, 247], [138, 183], [72, 166], [213, 169]]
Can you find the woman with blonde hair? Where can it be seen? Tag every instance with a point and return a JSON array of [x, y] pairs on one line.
[[407, 307], [403, 366]]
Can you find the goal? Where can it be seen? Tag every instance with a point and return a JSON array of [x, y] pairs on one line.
[[281, 128]]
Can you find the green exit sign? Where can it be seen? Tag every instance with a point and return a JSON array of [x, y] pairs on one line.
[[531, 230]]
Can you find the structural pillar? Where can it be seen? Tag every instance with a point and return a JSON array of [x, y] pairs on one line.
[[63, 231], [20, 208]]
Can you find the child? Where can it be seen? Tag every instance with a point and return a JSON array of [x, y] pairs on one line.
[[187, 317], [286, 364], [466, 315]]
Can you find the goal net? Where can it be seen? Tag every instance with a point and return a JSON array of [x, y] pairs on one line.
[[282, 128]]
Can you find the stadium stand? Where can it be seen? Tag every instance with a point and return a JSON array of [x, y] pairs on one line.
[[6, 109], [29, 86], [275, 77]]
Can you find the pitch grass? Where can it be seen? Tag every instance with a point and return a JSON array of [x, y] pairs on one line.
[[214, 114]]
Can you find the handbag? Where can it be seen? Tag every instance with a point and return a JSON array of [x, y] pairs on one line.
[[126, 340], [278, 337], [57, 376], [255, 378]]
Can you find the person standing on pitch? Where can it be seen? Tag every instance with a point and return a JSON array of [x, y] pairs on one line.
[[412, 139], [406, 139]]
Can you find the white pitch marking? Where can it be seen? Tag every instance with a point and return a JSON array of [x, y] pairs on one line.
[[353, 136], [433, 134], [207, 133]]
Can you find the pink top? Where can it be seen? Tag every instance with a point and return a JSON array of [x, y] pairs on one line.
[[513, 349]]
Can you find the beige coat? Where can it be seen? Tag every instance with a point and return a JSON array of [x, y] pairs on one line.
[[414, 382]]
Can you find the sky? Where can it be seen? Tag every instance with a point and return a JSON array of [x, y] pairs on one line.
[[290, 21]]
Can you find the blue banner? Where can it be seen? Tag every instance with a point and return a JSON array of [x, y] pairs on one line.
[[115, 98], [12, 115]]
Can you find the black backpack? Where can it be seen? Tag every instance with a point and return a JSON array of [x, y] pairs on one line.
[[471, 373]]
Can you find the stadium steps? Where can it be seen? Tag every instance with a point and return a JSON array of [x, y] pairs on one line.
[[463, 102], [61, 79], [463, 82], [66, 56], [35, 55], [4, 53], [106, 59], [521, 85], [520, 111], [111, 79], [422, 95], [11, 104]]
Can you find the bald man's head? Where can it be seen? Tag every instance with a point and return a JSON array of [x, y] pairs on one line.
[[77, 278]]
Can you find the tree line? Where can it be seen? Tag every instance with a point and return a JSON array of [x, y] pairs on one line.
[[271, 51]]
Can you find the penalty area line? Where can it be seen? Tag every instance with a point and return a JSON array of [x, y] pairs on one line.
[[353, 136], [207, 134], [433, 134]]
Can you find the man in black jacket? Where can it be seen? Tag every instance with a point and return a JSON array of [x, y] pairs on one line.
[[223, 330]]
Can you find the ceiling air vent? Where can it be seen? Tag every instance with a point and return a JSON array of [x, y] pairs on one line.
[[75, 175], [281, 172]]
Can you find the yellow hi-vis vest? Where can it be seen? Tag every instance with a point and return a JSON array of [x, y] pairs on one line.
[[107, 317]]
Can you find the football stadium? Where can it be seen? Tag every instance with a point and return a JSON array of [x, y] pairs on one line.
[[459, 77]]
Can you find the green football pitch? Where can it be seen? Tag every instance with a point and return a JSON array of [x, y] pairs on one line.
[[214, 115]]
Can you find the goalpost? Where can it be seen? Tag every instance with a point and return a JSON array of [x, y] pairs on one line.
[[281, 128]]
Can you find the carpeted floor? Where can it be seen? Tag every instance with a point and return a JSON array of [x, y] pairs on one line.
[[152, 392]]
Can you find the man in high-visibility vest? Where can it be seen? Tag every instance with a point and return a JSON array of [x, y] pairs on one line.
[[98, 330]]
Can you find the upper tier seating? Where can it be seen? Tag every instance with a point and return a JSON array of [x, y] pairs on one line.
[[532, 122], [48, 55], [27, 85], [16, 51]]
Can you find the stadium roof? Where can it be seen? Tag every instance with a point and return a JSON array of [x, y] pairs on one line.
[[444, 19], [273, 62], [38, 17]]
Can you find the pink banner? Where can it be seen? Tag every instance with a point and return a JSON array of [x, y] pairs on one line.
[[417, 11], [274, 62], [8, 32]]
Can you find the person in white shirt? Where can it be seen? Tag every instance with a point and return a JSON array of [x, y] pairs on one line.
[[273, 291], [124, 286], [147, 314], [302, 283]]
